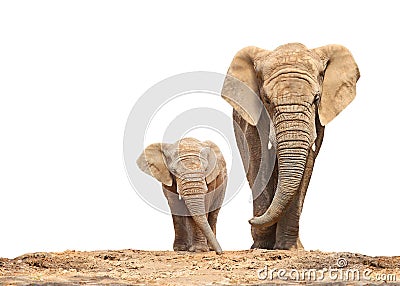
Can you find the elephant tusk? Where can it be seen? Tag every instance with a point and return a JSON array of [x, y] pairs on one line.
[[313, 147], [269, 145], [179, 193]]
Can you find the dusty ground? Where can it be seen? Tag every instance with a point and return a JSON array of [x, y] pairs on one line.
[[135, 267]]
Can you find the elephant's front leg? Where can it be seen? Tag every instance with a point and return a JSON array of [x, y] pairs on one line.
[[182, 226], [287, 228], [182, 229], [264, 237], [212, 221], [216, 196]]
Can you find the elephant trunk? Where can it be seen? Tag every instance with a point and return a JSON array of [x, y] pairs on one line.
[[196, 207], [293, 141], [192, 191]]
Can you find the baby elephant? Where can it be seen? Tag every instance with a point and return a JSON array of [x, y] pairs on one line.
[[193, 176]]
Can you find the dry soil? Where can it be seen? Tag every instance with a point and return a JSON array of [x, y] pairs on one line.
[[248, 267]]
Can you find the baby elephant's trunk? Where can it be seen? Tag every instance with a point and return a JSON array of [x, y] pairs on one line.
[[196, 207]]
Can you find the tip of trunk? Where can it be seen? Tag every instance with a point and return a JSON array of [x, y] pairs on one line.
[[276, 209], [202, 223], [291, 166], [264, 220]]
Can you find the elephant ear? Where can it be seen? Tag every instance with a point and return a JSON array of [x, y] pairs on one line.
[[152, 162], [339, 84], [216, 162], [241, 86]]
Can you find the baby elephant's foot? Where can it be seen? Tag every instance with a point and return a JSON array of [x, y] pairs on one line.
[[181, 247], [200, 247]]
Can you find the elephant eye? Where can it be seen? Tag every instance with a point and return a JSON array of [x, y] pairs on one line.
[[173, 167]]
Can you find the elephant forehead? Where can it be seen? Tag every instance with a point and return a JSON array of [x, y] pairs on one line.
[[295, 56], [189, 145]]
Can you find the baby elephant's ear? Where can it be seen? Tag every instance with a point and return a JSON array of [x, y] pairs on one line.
[[152, 162], [216, 162]]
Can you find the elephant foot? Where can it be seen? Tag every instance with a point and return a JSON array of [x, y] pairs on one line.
[[289, 245], [264, 244], [181, 247], [299, 245], [263, 237], [199, 248]]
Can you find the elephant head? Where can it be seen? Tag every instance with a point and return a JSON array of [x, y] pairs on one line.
[[300, 88], [192, 164]]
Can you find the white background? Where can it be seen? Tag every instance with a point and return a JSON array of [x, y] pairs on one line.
[[70, 72]]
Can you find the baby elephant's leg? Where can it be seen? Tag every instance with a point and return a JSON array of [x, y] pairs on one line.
[[212, 220], [181, 242], [181, 224]]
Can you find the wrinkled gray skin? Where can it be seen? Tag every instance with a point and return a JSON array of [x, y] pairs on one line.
[[302, 90], [193, 176]]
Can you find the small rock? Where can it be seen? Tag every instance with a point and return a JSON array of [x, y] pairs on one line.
[[225, 281], [216, 266]]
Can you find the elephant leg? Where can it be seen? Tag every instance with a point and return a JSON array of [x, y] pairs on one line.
[[179, 212], [198, 240], [212, 221], [287, 231], [182, 240], [256, 159], [264, 237], [214, 202]]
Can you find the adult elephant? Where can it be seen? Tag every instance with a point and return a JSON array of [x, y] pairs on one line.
[[302, 90]]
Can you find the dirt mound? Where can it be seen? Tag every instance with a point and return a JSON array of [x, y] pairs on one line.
[[249, 267]]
